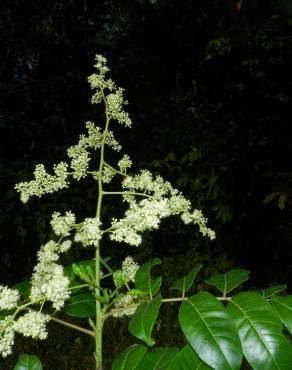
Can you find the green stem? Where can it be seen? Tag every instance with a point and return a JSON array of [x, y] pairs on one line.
[[179, 299], [126, 192], [106, 265], [115, 170], [99, 315], [72, 326]]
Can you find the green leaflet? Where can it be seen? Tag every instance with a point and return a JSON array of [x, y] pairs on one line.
[[81, 305], [228, 281], [185, 283], [272, 290], [283, 306], [187, 359], [143, 280], [141, 323], [260, 331], [129, 358], [158, 359], [210, 332], [28, 362]]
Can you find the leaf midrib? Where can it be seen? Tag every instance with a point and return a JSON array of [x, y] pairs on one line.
[[258, 335], [202, 317]]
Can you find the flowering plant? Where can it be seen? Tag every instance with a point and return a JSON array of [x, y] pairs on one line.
[[217, 337], [149, 200]]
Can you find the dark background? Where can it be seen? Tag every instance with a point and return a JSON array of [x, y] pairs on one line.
[[209, 85]]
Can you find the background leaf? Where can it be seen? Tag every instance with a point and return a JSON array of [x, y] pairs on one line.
[[276, 289], [157, 359], [260, 331], [129, 358], [24, 288], [144, 281], [81, 305], [141, 323], [187, 359], [75, 279], [29, 362], [228, 281], [210, 332], [283, 306], [184, 283]]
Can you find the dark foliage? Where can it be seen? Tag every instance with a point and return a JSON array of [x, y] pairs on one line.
[[210, 86]]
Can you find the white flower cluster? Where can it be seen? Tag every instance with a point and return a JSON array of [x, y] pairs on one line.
[[125, 305], [32, 324], [115, 99], [107, 174], [79, 165], [144, 182], [147, 214], [62, 225], [98, 81], [7, 334], [125, 163], [129, 268], [8, 298], [112, 142], [115, 102], [125, 233], [198, 218], [44, 183], [48, 279], [89, 232], [79, 154]]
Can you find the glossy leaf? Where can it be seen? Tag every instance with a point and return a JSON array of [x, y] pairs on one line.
[[283, 306], [130, 358], [187, 359], [75, 279], [119, 278], [24, 288], [185, 283], [157, 359], [28, 362], [144, 281], [228, 281], [276, 289], [81, 305], [141, 323], [210, 332], [260, 331]]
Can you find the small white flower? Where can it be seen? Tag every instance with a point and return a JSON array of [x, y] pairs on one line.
[[186, 218], [107, 174], [115, 102], [44, 183], [129, 268], [65, 246], [125, 163], [126, 305], [8, 298], [7, 335], [112, 142], [89, 233], [198, 218], [32, 324], [61, 225], [48, 280]]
